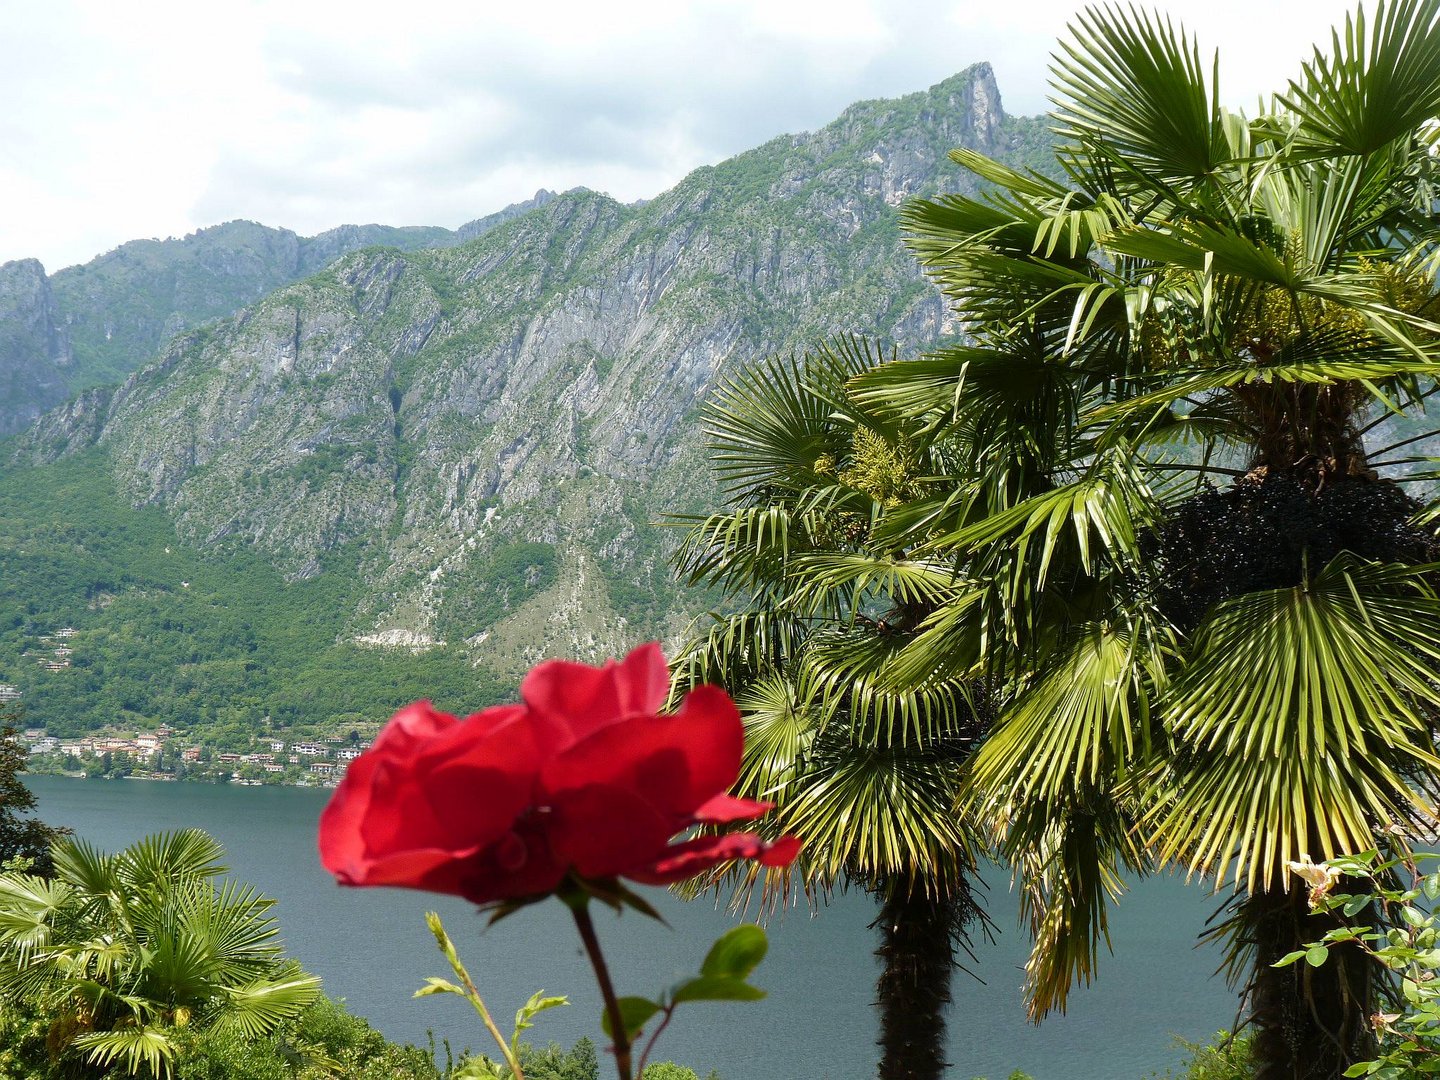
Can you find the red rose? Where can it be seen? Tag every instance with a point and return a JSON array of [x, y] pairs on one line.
[[586, 775]]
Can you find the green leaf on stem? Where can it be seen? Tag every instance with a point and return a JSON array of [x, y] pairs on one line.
[[736, 953], [437, 986], [714, 988], [1316, 955], [635, 1013], [1356, 904], [526, 1014]]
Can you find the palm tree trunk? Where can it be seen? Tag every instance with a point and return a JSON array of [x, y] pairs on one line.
[[917, 950], [1311, 1023]]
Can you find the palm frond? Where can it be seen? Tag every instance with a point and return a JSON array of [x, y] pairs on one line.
[[1299, 721], [139, 1051], [259, 1007], [1380, 81], [1135, 84]]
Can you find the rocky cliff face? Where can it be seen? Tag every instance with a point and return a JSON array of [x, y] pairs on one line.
[[416, 415], [35, 353], [114, 313]]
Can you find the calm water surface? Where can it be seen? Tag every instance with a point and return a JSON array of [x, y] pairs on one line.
[[372, 948]]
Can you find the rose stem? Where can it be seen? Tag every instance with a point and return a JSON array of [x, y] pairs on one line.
[[581, 911]]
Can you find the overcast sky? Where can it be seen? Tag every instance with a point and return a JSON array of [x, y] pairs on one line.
[[156, 117]]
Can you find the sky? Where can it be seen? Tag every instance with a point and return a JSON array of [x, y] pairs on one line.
[[125, 119]]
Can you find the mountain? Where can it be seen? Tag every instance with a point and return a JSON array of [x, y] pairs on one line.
[[474, 438], [100, 321]]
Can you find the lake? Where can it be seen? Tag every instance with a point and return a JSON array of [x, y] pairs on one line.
[[371, 948]]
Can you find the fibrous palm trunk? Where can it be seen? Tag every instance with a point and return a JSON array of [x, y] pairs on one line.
[[1311, 1023], [917, 951]]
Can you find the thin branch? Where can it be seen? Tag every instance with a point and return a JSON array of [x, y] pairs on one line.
[[581, 910], [650, 1045]]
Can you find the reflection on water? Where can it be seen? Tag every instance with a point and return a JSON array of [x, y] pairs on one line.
[[372, 948]]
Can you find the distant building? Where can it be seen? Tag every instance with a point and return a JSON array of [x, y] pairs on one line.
[[8, 693]]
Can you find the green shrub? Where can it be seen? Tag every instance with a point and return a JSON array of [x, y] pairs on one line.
[[326, 1041], [1225, 1057], [668, 1070]]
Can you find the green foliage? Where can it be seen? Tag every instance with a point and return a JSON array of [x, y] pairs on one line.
[[1386, 909], [1225, 1057], [494, 582], [723, 974], [167, 635], [324, 1041], [24, 841], [125, 953], [668, 1070]]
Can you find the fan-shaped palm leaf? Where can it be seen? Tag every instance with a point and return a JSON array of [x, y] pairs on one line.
[[1299, 720]]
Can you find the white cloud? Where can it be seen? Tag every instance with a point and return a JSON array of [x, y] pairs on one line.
[[129, 120]]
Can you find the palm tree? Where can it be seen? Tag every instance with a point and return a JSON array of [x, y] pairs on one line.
[[1226, 680], [819, 597], [121, 950]]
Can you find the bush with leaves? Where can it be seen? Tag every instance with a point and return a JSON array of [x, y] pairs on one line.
[[1393, 922], [22, 837], [324, 1041]]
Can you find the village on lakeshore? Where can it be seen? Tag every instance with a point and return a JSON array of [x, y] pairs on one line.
[[167, 753]]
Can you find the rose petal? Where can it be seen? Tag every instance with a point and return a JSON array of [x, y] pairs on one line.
[[431, 869], [570, 701], [411, 728], [567, 701], [685, 860], [416, 793], [643, 680], [678, 763], [723, 808], [521, 864], [605, 831]]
